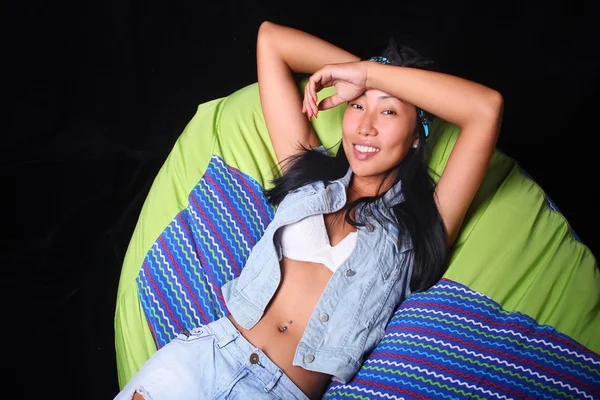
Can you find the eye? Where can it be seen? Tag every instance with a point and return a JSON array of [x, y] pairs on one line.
[[389, 112], [356, 106]]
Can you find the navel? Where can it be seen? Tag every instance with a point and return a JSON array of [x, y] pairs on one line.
[[284, 327]]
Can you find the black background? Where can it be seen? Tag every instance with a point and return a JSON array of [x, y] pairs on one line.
[[97, 93]]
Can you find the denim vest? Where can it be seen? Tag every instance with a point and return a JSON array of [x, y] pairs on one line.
[[350, 318]]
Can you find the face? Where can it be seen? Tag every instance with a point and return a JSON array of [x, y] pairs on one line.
[[378, 132]]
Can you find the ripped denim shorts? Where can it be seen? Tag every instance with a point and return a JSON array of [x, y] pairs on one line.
[[211, 361]]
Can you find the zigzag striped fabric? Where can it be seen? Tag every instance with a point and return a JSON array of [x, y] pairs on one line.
[[205, 246], [450, 342], [446, 343]]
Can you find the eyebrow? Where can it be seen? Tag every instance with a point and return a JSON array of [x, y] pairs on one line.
[[385, 96]]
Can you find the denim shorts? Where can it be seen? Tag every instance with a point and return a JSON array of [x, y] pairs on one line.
[[211, 361]]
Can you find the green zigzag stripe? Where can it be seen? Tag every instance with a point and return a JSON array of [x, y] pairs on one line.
[[490, 335], [156, 316], [167, 278], [208, 294], [467, 394], [242, 201], [346, 394], [422, 379], [191, 263], [215, 257], [224, 219], [470, 299], [479, 363]]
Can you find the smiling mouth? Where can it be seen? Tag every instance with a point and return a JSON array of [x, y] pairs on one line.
[[363, 153], [366, 149]]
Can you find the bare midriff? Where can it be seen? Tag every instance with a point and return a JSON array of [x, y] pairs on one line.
[[292, 305], [301, 286]]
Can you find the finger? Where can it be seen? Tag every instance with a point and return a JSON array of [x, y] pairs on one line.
[[308, 95], [329, 102], [319, 80], [307, 106], [312, 103], [315, 86]]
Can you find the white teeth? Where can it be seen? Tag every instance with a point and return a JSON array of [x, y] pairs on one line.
[[366, 149]]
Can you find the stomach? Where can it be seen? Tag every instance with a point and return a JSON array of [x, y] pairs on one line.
[[300, 289]]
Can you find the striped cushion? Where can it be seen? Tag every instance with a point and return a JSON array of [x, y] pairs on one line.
[[447, 342], [451, 342], [205, 246]]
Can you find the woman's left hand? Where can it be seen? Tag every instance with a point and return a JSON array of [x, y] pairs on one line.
[[349, 80]]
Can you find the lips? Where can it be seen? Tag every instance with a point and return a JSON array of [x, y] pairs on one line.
[[362, 152]]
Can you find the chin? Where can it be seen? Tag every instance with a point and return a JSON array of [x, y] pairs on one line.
[[363, 170], [373, 166]]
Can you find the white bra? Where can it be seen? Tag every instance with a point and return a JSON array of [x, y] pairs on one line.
[[307, 240]]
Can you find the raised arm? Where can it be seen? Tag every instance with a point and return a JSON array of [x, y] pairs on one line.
[[280, 52], [474, 108]]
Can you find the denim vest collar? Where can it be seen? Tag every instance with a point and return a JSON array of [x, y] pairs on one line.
[[392, 196], [351, 315]]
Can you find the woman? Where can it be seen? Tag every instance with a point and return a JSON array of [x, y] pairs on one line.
[[354, 233]]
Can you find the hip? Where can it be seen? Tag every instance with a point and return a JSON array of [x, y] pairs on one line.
[[211, 361]]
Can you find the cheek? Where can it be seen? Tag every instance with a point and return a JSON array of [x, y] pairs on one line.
[[396, 146], [398, 155], [350, 123], [399, 140], [401, 147], [398, 136]]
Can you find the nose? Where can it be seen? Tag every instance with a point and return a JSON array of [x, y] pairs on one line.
[[366, 127]]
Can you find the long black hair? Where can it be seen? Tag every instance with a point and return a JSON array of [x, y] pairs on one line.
[[417, 215]]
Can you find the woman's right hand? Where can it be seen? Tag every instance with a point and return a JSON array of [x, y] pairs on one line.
[[349, 80]]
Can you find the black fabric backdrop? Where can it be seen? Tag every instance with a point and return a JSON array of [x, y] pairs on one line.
[[98, 92]]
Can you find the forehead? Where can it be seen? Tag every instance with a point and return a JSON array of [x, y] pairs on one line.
[[379, 95], [375, 94]]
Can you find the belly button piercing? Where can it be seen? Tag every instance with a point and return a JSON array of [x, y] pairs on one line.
[[283, 328]]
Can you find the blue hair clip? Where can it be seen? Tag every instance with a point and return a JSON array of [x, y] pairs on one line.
[[381, 60], [424, 121]]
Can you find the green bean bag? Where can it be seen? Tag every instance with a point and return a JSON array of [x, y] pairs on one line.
[[516, 314]]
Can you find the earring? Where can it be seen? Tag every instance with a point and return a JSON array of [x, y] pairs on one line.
[[415, 145]]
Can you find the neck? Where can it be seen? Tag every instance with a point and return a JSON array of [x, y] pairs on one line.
[[364, 186]]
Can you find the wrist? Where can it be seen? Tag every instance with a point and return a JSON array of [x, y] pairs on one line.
[[371, 72]]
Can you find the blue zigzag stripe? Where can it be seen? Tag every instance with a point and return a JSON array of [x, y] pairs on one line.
[[227, 224], [471, 307], [196, 261], [541, 359], [187, 275], [460, 366], [209, 242], [427, 354], [202, 270]]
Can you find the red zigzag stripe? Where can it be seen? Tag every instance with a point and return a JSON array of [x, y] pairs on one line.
[[256, 200], [395, 389], [466, 376], [185, 283], [157, 291], [218, 236], [231, 207], [498, 352], [504, 324]]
